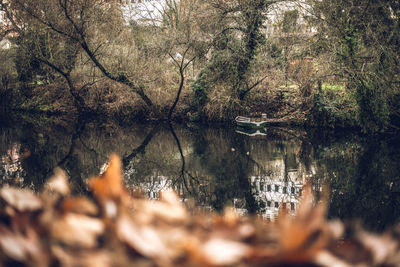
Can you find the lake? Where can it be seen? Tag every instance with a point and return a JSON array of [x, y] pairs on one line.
[[213, 166]]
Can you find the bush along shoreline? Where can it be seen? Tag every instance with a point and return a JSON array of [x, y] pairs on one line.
[[323, 109]]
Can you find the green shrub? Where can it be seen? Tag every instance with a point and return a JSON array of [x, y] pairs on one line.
[[333, 109], [373, 114]]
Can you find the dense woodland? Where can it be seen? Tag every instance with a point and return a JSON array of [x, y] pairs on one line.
[[315, 62]]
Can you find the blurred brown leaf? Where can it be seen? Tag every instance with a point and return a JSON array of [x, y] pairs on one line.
[[22, 248], [169, 209], [302, 236], [58, 183], [223, 252], [21, 200], [97, 258], [79, 205], [109, 185], [142, 238], [77, 230]]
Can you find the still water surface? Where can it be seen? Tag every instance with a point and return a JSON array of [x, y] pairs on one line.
[[214, 166]]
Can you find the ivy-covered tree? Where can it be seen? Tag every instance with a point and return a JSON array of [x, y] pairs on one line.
[[238, 36], [364, 35]]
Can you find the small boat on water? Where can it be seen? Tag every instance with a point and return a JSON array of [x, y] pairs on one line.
[[256, 123]]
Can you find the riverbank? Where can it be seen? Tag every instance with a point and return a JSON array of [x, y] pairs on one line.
[[325, 109]]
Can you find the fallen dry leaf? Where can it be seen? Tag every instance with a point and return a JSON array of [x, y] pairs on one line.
[[223, 252], [77, 230], [58, 183], [142, 238], [109, 184], [83, 259], [22, 248], [79, 205], [382, 247], [21, 200], [301, 237], [169, 209]]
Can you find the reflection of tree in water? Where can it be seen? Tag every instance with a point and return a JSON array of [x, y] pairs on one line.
[[49, 148], [45, 148], [70, 161], [153, 165], [80, 147], [363, 174], [134, 175], [281, 179], [194, 171], [216, 168], [364, 180], [229, 167], [152, 159]]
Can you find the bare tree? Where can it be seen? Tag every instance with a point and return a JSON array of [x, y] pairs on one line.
[[181, 36], [79, 21]]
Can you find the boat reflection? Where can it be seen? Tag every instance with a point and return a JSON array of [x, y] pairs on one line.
[[251, 131]]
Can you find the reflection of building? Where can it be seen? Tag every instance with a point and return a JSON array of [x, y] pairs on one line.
[[11, 170], [257, 176], [277, 179], [155, 184], [272, 193], [281, 185]]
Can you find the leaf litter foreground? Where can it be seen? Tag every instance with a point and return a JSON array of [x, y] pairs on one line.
[[117, 228]]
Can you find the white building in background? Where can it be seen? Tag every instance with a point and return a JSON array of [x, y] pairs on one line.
[[4, 23], [143, 12], [277, 12], [149, 12], [2, 17], [5, 44]]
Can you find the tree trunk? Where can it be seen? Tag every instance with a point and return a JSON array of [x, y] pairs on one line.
[[171, 110]]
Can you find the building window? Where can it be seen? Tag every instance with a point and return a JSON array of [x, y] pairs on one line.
[[269, 188], [276, 204], [276, 188]]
